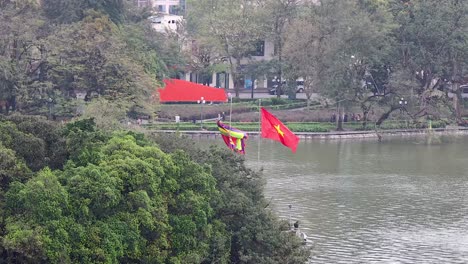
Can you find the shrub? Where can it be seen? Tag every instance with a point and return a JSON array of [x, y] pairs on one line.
[[278, 101], [35, 139]]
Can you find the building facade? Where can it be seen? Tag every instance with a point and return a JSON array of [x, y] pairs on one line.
[[144, 3], [171, 7], [165, 22], [264, 52], [170, 14]]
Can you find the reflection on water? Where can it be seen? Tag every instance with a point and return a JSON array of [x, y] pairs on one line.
[[399, 201]]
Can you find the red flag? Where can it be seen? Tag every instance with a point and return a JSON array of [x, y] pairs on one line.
[[272, 128]]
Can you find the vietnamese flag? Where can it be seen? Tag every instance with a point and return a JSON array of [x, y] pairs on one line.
[[272, 128]]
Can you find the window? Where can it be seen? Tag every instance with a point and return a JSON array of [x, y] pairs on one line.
[[173, 10], [464, 89], [182, 5], [155, 20], [143, 3], [259, 49], [222, 80], [193, 77], [162, 8]]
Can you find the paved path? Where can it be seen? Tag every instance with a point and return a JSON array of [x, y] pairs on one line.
[[339, 134], [264, 94]]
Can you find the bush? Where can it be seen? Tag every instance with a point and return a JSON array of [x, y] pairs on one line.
[[278, 101], [241, 207], [35, 139]]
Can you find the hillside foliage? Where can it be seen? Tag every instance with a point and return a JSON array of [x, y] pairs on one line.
[[121, 197]]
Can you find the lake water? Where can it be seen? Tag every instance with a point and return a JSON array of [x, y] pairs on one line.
[[360, 201]]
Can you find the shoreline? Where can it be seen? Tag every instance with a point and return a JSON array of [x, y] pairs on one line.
[[340, 134]]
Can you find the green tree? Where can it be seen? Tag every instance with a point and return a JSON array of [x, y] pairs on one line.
[[38, 232], [12, 168], [35, 140], [255, 234], [22, 54], [43, 65], [433, 52], [280, 14], [335, 47], [235, 27], [96, 63], [69, 11]]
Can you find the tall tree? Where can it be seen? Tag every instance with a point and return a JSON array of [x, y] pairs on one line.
[[69, 11], [22, 53], [315, 43], [335, 44], [433, 50], [234, 26], [280, 15], [255, 233], [91, 56]]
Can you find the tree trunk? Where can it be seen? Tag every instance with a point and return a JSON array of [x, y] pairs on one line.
[[457, 98], [253, 87], [280, 70], [365, 113], [385, 116], [339, 119]]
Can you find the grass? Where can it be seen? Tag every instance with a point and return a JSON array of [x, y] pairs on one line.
[[298, 126], [189, 112], [245, 116]]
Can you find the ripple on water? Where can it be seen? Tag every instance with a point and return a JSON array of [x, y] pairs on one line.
[[364, 202]]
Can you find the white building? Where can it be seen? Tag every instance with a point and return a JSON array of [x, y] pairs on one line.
[[172, 7], [264, 52], [169, 17], [165, 23], [144, 3]]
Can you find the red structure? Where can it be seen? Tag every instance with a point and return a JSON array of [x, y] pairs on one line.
[[184, 91]]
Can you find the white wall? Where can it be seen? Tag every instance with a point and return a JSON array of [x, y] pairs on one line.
[[165, 23], [165, 3]]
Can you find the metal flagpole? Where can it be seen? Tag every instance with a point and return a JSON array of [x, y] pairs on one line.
[[230, 119], [230, 110], [259, 130]]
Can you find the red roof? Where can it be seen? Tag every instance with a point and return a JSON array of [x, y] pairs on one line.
[[184, 91]]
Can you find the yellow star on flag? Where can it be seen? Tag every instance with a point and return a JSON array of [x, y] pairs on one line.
[[278, 129]]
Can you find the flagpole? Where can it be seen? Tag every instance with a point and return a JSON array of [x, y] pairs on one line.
[[230, 119], [259, 130], [230, 110]]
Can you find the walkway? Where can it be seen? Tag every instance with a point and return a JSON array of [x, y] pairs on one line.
[[342, 134]]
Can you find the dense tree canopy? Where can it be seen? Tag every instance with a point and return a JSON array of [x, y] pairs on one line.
[[232, 26], [387, 50], [119, 198], [51, 52], [368, 52], [68, 11]]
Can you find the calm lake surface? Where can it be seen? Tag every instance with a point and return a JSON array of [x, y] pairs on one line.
[[360, 201]]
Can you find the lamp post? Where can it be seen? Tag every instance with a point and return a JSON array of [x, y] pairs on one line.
[[50, 102], [201, 102], [402, 102]]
